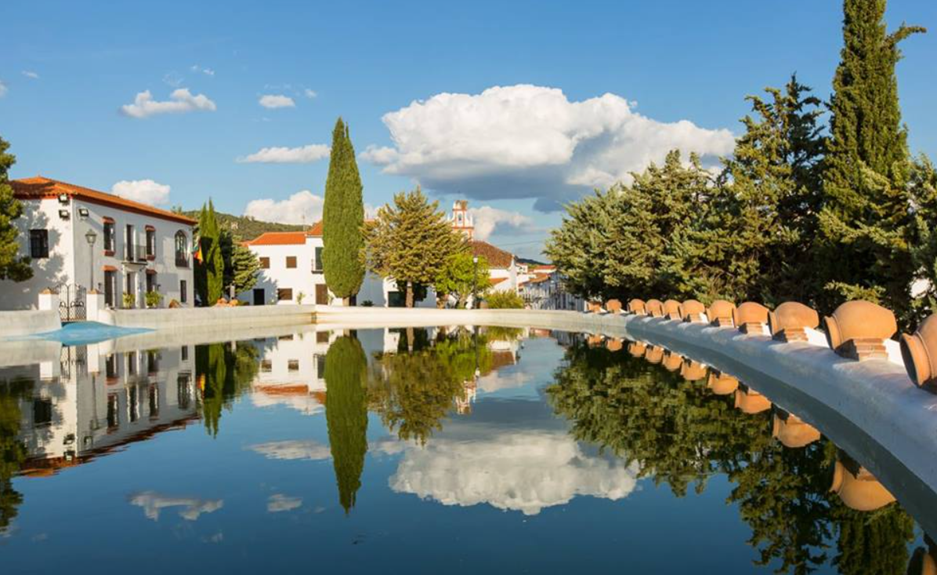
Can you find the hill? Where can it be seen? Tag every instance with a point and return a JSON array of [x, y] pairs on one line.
[[245, 228]]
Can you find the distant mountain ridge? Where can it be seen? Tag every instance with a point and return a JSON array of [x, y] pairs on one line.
[[247, 228]]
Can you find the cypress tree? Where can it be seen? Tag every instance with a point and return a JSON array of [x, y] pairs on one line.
[[12, 265], [201, 271], [866, 205], [209, 274], [342, 218], [346, 414]]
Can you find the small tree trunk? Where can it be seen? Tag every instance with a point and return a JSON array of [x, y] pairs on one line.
[[409, 294], [410, 335]]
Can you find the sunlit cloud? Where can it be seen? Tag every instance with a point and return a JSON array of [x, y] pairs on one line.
[[278, 503], [180, 101], [276, 101], [283, 155], [143, 191], [192, 507], [292, 449]]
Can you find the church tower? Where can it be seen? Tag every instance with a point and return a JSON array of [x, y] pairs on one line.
[[462, 220]]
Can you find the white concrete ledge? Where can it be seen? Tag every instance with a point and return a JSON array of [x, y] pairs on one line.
[[28, 322], [214, 318]]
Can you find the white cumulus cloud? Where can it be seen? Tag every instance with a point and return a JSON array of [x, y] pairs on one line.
[[487, 219], [283, 155], [180, 100], [310, 93], [276, 101], [31, 74], [3, 89], [143, 191], [192, 507], [301, 207], [292, 449], [527, 141]]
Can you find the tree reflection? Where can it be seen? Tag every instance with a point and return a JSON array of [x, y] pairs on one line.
[[12, 450], [346, 413], [680, 433], [224, 371], [413, 391]]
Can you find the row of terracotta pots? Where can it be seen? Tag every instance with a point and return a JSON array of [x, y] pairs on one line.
[[856, 330]]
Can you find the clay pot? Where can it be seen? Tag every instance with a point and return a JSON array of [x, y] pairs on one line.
[[636, 306], [594, 340], [693, 370], [790, 321], [672, 309], [751, 317], [858, 330], [613, 306], [637, 348], [672, 361], [721, 384], [722, 313], [654, 308], [593, 307], [919, 352], [613, 344], [692, 311], [792, 432], [858, 488], [654, 354], [751, 402]]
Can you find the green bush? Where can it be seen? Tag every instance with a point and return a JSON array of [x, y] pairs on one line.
[[153, 299], [130, 300], [504, 300]]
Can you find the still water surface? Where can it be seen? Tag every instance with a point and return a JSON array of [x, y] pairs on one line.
[[425, 451]]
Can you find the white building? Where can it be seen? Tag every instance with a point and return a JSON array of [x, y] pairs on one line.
[[80, 238], [291, 273], [544, 290]]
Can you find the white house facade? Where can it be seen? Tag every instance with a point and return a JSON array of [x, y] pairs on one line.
[[292, 273], [78, 238]]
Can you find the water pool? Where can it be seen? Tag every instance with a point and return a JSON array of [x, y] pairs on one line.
[[426, 450]]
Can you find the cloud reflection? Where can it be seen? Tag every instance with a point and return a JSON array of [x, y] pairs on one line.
[[192, 507]]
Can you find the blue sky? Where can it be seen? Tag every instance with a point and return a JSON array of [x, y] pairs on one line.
[[546, 136]]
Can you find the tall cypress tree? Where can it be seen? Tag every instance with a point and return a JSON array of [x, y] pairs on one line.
[[342, 218], [214, 258], [346, 414], [12, 265], [200, 270], [865, 215]]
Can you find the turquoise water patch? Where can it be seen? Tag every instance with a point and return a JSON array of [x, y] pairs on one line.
[[85, 332]]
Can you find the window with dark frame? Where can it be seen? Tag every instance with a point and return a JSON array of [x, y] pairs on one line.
[[109, 237], [285, 294], [290, 262], [182, 249], [265, 263], [183, 291], [317, 263], [38, 244], [151, 243]]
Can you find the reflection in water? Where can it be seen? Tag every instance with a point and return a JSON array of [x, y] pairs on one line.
[[192, 507], [682, 434], [346, 411]]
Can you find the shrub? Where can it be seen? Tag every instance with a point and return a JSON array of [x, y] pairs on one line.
[[130, 300], [504, 300], [153, 299], [367, 303]]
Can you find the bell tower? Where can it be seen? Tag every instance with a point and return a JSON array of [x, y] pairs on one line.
[[462, 220]]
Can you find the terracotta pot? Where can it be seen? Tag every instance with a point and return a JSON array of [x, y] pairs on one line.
[[693, 370], [594, 340], [751, 317], [654, 354], [613, 306], [654, 308], [637, 348], [858, 488], [919, 352], [722, 313], [593, 307], [790, 321], [672, 361], [858, 330], [636, 306], [613, 344], [692, 311], [721, 384], [672, 309], [751, 402], [792, 432]]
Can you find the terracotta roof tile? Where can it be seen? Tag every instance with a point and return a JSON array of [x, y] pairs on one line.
[[40, 188], [496, 257], [278, 239], [496, 281]]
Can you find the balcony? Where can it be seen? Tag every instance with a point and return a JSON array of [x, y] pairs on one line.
[[135, 254]]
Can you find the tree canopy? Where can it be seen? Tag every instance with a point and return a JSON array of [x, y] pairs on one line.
[[342, 217], [13, 266], [346, 413]]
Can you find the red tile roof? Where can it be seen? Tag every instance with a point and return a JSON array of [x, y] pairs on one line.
[[496, 257], [40, 188], [496, 281], [278, 239]]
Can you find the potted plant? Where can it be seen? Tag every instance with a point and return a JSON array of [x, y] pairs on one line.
[[299, 298], [130, 300], [153, 299]]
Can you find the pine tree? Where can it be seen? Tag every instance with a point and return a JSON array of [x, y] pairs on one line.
[[241, 265], [410, 242], [12, 265], [864, 220], [346, 414], [342, 218], [200, 271], [461, 277]]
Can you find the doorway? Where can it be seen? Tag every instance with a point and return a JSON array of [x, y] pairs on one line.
[[259, 296], [322, 294]]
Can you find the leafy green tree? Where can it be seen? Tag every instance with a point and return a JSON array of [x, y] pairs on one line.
[[12, 265], [241, 265], [342, 218], [346, 413], [504, 300], [873, 543], [410, 241], [865, 217], [223, 374], [923, 233], [12, 450], [209, 273], [461, 277]]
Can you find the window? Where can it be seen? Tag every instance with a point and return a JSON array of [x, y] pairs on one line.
[[150, 243], [183, 391], [150, 282], [293, 365], [285, 294], [320, 365], [185, 353], [113, 412], [154, 401], [42, 412], [290, 262], [317, 263], [182, 249], [133, 404], [39, 243], [183, 291], [322, 337], [110, 367], [265, 263], [110, 288], [266, 366], [109, 243]]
